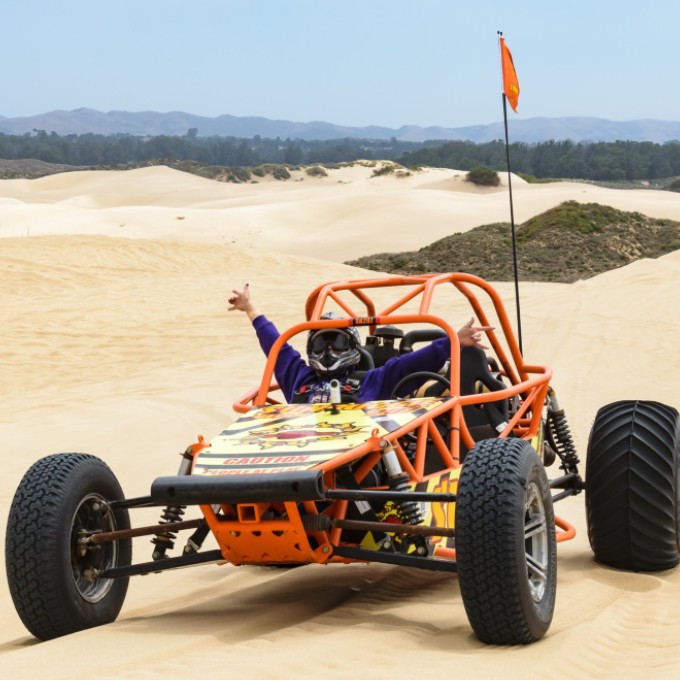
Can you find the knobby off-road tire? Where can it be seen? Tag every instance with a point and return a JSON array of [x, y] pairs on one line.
[[47, 573], [632, 487], [505, 542]]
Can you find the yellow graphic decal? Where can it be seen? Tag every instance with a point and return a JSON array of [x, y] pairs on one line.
[[443, 514], [261, 438], [295, 436], [384, 409], [216, 472]]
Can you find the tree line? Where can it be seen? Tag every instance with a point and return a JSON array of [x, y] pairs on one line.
[[601, 161], [119, 149]]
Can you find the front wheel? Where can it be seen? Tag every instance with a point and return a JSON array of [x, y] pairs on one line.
[[51, 573], [505, 542], [632, 486]]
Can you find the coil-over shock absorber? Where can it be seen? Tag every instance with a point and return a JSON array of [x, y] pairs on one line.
[[559, 432], [409, 511], [165, 540]]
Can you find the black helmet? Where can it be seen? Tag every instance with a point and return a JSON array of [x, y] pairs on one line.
[[333, 351]]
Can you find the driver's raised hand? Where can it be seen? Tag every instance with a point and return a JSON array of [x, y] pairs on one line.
[[471, 336], [240, 300]]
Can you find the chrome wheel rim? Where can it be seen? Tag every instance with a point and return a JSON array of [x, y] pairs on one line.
[[536, 542]]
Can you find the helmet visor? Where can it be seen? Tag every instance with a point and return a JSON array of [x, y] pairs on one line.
[[336, 340]]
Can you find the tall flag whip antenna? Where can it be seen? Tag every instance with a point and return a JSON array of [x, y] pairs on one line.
[[510, 95]]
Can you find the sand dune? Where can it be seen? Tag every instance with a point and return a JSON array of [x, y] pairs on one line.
[[346, 215], [122, 347]]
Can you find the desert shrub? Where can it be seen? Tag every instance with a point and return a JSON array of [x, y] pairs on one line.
[[316, 171], [386, 169], [238, 174], [280, 172], [532, 179], [483, 176]]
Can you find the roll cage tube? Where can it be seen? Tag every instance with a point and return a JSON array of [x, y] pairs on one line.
[[528, 382], [260, 398], [424, 286]]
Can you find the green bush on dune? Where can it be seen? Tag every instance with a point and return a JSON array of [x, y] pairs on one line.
[[483, 176], [569, 242], [316, 171]]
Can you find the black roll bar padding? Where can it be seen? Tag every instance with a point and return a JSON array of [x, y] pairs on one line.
[[301, 485], [388, 332], [419, 335]]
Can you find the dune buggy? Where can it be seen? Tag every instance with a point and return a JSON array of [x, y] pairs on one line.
[[452, 477]]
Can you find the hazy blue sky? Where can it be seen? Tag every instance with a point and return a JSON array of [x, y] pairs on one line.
[[351, 62]]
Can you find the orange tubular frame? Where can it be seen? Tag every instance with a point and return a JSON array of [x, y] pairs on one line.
[[528, 385], [527, 381]]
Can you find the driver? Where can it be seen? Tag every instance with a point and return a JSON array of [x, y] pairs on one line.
[[333, 353]]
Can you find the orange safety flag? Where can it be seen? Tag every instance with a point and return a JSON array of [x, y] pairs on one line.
[[510, 82]]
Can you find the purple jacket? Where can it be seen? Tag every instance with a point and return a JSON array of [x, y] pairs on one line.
[[292, 372]]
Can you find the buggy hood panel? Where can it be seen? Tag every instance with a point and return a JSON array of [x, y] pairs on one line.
[[289, 437]]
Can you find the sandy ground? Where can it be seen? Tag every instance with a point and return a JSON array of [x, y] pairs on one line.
[[114, 339]]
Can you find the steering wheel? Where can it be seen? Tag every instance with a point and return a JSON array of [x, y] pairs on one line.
[[418, 375]]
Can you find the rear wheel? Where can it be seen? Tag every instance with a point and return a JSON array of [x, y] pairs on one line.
[[505, 542], [52, 576], [632, 487]]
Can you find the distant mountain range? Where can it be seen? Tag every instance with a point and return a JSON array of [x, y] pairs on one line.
[[151, 123]]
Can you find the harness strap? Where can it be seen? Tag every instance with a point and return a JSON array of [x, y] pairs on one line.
[[349, 392]]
